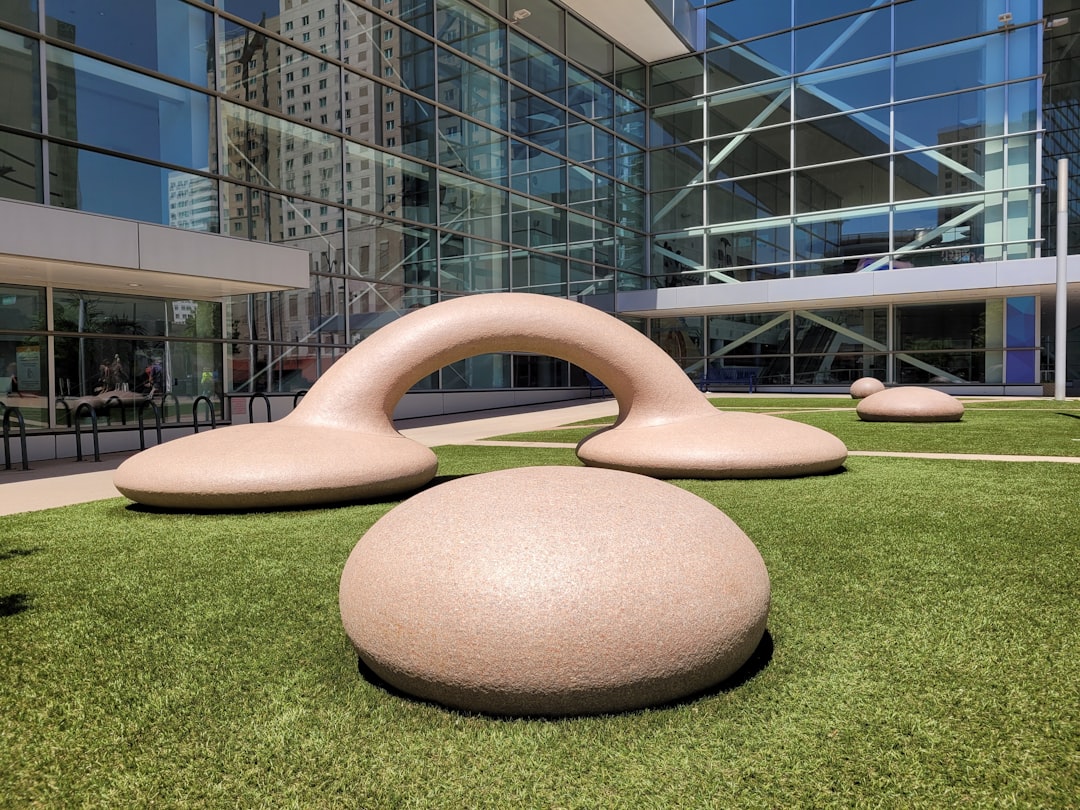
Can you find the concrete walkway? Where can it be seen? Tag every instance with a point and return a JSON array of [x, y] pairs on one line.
[[50, 484]]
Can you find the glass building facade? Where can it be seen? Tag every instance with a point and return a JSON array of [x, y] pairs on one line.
[[419, 150]]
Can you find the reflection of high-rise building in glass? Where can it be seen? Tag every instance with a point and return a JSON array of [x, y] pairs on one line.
[[192, 202], [417, 150]]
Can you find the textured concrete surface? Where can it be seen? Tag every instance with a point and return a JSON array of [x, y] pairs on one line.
[[554, 591], [865, 386], [661, 415], [910, 404]]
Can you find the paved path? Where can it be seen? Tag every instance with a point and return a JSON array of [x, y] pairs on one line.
[[50, 484]]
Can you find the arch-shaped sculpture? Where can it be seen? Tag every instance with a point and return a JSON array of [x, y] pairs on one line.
[[340, 442]]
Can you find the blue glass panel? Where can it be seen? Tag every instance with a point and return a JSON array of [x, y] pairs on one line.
[[750, 62], [139, 191], [844, 40], [1021, 367], [843, 89], [964, 19], [1020, 316], [808, 11], [960, 116], [128, 112], [742, 19], [1024, 43], [168, 36], [945, 68]]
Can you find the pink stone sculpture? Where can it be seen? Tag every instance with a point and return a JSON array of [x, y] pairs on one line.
[[340, 442], [554, 591], [865, 386], [910, 404]]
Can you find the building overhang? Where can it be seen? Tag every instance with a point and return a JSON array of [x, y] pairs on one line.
[[637, 26], [46, 246], [912, 285]]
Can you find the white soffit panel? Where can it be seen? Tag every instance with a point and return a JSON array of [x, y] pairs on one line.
[[634, 24], [42, 245]]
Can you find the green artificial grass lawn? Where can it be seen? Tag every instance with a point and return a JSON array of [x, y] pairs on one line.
[[1027, 427], [925, 651]]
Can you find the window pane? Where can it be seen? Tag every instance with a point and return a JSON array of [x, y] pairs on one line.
[[844, 40], [472, 265], [20, 172], [130, 113], [756, 61], [467, 88], [472, 208], [119, 28], [749, 107], [540, 70], [841, 137], [471, 31], [946, 68], [676, 167], [102, 184], [960, 116], [749, 253], [742, 19], [842, 185], [750, 198], [843, 89], [845, 238], [965, 17], [763, 151]]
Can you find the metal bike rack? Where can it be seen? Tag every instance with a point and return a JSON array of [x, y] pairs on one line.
[[109, 406], [157, 422], [195, 412], [67, 410], [78, 431], [251, 404], [10, 411], [176, 402]]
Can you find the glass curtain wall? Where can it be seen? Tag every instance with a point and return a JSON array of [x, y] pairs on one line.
[[991, 342], [872, 135], [417, 149]]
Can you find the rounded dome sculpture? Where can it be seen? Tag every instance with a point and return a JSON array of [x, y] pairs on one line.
[[554, 591], [865, 386], [910, 404]]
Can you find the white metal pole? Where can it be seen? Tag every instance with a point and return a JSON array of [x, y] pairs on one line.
[[1061, 291]]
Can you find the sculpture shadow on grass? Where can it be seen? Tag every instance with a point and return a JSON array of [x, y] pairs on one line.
[[757, 663]]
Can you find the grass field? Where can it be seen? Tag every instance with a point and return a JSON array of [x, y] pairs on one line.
[[1026, 427], [924, 654]]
